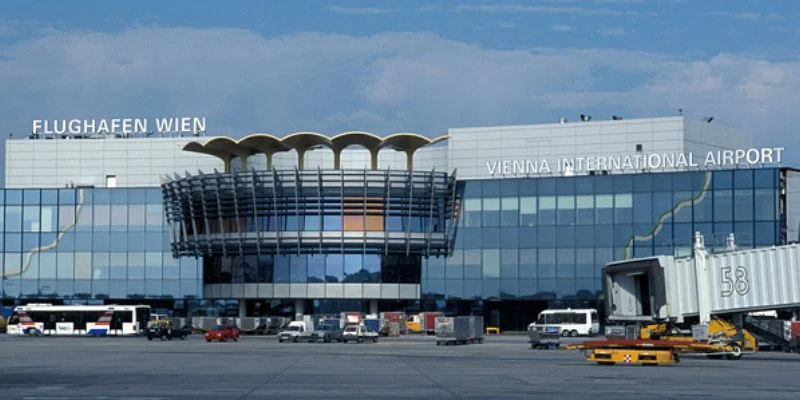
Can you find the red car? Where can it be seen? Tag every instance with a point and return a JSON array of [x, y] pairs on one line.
[[222, 333]]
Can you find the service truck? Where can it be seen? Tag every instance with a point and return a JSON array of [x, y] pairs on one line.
[[297, 331]]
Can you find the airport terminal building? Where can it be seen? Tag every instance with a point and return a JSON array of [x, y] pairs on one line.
[[502, 221]]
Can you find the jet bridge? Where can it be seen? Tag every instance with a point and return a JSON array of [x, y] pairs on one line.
[[705, 284]]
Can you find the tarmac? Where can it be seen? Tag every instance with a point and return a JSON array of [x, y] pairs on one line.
[[258, 367]]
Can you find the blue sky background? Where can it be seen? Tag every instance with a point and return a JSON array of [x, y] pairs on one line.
[[388, 66]]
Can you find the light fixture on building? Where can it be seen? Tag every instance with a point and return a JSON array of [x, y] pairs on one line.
[[586, 118], [616, 118], [563, 120], [708, 119]]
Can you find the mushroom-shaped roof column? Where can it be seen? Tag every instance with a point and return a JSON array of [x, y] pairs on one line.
[[223, 148], [264, 143], [370, 141], [302, 141], [410, 143]]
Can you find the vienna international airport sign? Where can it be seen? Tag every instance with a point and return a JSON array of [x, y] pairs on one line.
[[124, 126], [636, 162]]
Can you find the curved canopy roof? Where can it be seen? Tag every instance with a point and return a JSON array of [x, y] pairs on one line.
[[228, 148]]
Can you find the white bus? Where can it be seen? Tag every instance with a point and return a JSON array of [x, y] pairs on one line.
[[568, 322], [78, 320]]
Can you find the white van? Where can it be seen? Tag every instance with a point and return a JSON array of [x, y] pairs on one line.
[[569, 322]]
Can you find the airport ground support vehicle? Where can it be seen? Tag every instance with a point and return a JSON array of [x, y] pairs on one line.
[[326, 333], [79, 320], [424, 322], [164, 330], [571, 322], [359, 334], [544, 337], [459, 330], [221, 333], [297, 331]]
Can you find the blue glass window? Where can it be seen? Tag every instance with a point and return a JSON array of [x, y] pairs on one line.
[[316, 268], [354, 268], [298, 269], [372, 268], [767, 205], [547, 263], [282, 269], [334, 268]]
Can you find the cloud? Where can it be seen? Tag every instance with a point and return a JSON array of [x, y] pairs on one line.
[[749, 16], [561, 28], [522, 8], [419, 82], [611, 31], [359, 10], [507, 24], [430, 7]]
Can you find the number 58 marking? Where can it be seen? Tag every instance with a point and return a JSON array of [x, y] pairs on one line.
[[738, 283]]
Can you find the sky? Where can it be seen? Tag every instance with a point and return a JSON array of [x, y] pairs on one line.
[[412, 66]]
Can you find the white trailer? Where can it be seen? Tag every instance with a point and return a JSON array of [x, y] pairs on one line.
[[705, 284]]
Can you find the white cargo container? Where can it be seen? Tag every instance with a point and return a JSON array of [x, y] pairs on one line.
[[703, 285]]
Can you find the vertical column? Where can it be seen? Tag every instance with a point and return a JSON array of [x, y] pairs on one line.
[[242, 308], [373, 306], [337, 158], [409, 160], [701, 280], [299, 309], [373, 153]]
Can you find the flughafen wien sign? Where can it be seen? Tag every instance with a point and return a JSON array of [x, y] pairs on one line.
[[636, 162], [124, 126]]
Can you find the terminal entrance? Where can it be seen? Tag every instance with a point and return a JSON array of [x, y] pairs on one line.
[[512, 315]]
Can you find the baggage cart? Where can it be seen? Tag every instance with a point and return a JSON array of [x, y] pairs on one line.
[[458, 330], [548, 337]]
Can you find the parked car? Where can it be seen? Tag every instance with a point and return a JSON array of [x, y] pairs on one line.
[[326, 333], [164, 330], [222, 333], [359, 333]]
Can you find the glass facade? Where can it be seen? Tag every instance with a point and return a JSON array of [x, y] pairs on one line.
[[90, 244], [548, 238], [518, 242]]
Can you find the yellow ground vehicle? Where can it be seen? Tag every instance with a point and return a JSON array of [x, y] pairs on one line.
[[662, 343], [720, 332]]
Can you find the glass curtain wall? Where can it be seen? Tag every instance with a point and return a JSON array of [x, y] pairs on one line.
[[84, 243], [549, 238]]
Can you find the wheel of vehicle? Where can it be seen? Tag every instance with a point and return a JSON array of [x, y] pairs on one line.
[[208, 340], [294, 339], [344, 341], [438, 342], [150, 338], [375, 340], [735, 354], [360, 340], [573, 333], [326, 339], [183, 337], [280, 340], [235, 339], [565, 333]]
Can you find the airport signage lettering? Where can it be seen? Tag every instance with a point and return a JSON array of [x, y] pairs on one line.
[[636, 162], [126, 126]]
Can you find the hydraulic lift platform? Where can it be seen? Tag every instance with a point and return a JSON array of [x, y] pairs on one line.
[[643, 351]]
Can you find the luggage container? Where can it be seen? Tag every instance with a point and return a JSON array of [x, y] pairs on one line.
[[547, 338], [428, 321], [373, 325], [457, 330]]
